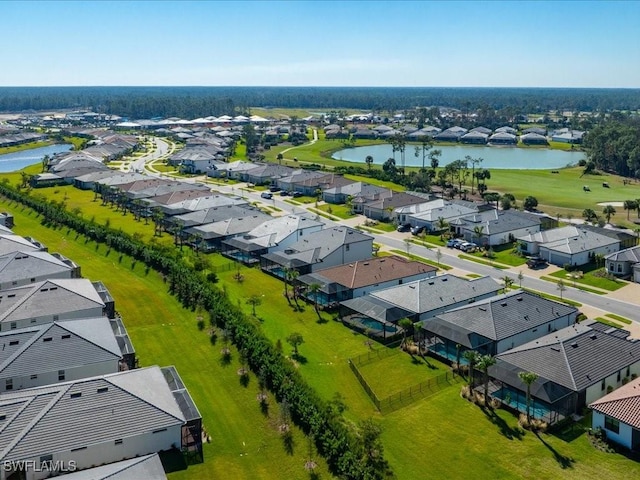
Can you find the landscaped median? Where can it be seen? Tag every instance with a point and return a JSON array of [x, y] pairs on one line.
[[489, 263]]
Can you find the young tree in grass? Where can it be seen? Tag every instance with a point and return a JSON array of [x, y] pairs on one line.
[[484, 362], [295, 340], [285, 276], [254, 301], [520, 278], [528, 378], [405, 324], [561, 287], [438, 256], [608, 211], [471, 356], [293, 276], [407, 244]]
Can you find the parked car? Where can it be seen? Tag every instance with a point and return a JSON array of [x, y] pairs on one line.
[[454, 243], [274, 189], [417, 230], [283, 193], [468, 247], [296, 194], [404, 227], [536, 262], [267, 195]]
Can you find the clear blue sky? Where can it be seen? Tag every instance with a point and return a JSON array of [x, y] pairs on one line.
[[290, 43]]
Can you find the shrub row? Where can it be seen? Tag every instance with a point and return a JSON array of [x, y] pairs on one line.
[[348, 453]]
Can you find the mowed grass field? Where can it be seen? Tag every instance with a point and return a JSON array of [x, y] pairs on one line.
[[244, 443]]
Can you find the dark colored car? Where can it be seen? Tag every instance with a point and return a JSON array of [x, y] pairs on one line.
[[296, 194], [283, 193], [404, 228], [274, 189], [417, 230], [536, 262]]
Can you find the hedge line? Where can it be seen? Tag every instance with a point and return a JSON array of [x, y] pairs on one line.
[[350, 453]]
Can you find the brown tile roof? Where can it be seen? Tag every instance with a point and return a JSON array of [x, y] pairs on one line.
[[375, 270], [622, 404]]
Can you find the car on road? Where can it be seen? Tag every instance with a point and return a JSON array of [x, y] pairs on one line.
[[404, 227], [536, 262], [267, 195]]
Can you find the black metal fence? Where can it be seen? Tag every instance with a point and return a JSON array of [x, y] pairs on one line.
[[405, 397]]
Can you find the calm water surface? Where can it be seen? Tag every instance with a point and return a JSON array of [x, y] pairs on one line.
[[493, 157], [10, 162]]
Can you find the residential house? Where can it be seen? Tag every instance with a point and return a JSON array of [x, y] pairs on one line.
[[210, 236], [147, 467], [624, 263], [417, 300], [474, 137], [24, 267], [267, 174], [496, 227], [50, 301], [383, 208], [430, 214], [319, 250], [181, 203], [10, 242], [452, 134], [575, 367], [311, 186], [618, 415], [341, 194], [207, 215], [270, 236], [6, 219], [298, 177], [356, 279], [98, 420], [503, 138], [573, 244], [106, 177], [497, 324], [566, 135], [54, 352], [234, 170], [534, 139]]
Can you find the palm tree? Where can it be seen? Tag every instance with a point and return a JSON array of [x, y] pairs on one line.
[[629, 205], [608, 211], [472, 357], [508, 281], [314, 288], [478, 231], [405, 324], [483, 363], [293, 275], [528, 378], [369, 161], [589, 214]]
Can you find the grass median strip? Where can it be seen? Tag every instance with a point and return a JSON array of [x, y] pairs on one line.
[[488, 263], [422, 259]]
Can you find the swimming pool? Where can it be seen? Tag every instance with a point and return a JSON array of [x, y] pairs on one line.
[[518, 400], [374, 325]]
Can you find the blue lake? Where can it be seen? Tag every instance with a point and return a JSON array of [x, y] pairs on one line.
[[493, 157], [10, 162]]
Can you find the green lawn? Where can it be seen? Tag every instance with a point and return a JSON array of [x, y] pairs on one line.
[[589, 278], [245, 444], [608, 322], [421, 259], [405, 371], [504, 254], [340, 211], [482, 261], [618, 318], [374, 181]]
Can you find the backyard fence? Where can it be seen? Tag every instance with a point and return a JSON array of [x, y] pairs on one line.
[[405, 397], [376, 354]]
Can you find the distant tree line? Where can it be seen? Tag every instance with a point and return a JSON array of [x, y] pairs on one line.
[[614, 146], [192, 102]]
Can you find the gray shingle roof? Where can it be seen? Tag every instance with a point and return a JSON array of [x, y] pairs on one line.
[[580, 356], [147, 467], [51, 297], [431, 294], [503, 316], [14, 243], [47, 420], [211, 215], [22, 265], [72, 344]]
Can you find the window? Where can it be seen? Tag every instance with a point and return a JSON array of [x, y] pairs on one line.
[[611, 424], [61, 375], [103, 389], [33, 279], [618, 378], [33, 377], [46, 460], [118, 441], [76, 395], [549, 328], [14, 342], [8, 384], [602, 386], [619, 268], [55, 318], [64, 337], [14, 282], [347, 247], [3, 416], [14, 325], [628, 371], [47, 339]]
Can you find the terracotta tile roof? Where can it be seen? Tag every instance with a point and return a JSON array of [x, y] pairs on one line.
[[622, 404], [375, 270]]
